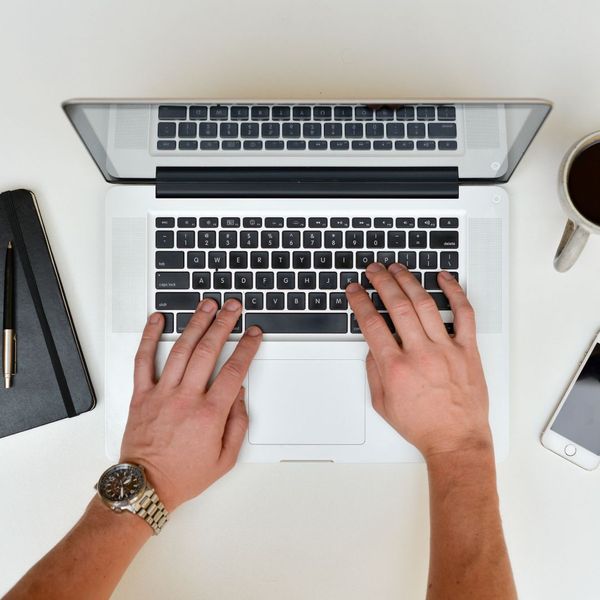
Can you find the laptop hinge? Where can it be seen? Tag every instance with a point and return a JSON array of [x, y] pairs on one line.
[[277, 182]]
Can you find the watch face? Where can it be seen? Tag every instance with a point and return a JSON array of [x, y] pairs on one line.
[[121, 483]]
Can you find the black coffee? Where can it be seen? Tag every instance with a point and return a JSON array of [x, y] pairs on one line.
[[584, 183]]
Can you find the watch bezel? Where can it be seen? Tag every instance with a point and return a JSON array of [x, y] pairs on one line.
[[127, 504]]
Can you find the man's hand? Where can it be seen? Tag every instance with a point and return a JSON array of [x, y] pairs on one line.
[[429, 386], [184, 431]]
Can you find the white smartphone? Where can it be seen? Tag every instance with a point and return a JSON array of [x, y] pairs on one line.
[[574, 429]]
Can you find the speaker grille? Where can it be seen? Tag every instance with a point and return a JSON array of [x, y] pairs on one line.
[[482, 127], [132, 128]]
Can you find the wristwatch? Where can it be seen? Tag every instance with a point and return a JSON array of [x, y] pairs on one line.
[[125, 487]]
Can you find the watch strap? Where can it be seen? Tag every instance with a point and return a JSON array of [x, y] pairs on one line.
[[152, 510]]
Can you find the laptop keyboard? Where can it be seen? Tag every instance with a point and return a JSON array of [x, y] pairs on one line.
[[290, 273], [306, 128]]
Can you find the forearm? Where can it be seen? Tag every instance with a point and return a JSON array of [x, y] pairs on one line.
[[468, 557], [89, 561]]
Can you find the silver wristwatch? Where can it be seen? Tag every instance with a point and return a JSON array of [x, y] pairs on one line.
[[125, 487]]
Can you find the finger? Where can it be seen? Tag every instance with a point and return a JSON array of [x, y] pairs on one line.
[[374, 329], [464, 316], [144, 372], [423, 303], [234, 432], [375, 384], [400, 308], [231, 376], [182, 349], [204, 357]]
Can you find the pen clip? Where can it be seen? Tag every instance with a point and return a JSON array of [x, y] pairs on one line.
[[14, 343]]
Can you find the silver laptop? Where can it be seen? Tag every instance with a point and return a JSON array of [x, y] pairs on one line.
[[281, 204]]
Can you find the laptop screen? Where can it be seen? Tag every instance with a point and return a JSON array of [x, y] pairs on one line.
[[483, 140]]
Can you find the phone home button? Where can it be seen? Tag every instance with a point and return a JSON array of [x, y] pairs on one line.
[[570, 450]]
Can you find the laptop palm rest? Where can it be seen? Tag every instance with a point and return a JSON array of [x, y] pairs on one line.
[[306, 401]]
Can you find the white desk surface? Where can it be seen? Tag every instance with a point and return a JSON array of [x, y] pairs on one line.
[[306, 531]]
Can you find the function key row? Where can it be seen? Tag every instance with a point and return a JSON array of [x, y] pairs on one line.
[[234, 112]]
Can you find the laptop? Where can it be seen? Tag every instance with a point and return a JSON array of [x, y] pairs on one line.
[[281, 204]]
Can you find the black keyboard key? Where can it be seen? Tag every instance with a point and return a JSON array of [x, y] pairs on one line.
[[164, 239], [252, 221], [168, 326], [238, 260], [199, 113], [386, 258], [249, 130], [207, 239], [374, 130], [187, 130], [299, 322], [243, 280], [394, 130], [404, 145], [344, 260], [322, 113], [384, 114], [431, 282], [275, 301], [355, 239], [405, 222], [307, 280], [227, 239], [408, 259], [425, 113], [230, 222], [425, 145], [382, 145], [363, 113], [201, 280], [253, 301], [317, 222], [328, 280], [364, 281], [248, 239], [217, 260], [186, 222], [196, 260], [361, 145], [415, 130], [311, 130], [339, 222], [446, 113], [229, 130], [405, 113], [259, 260], [296, 145], [323, 260], [239, 113], [441, 130], [342, 113], [177, 300], [169, 260], [448, 261], [274, 145], [301, 260], [167, 130], [290, 130], [332, 130], [441, 301], [449, 223], [290, 239], [207, 130], [383, 222], [219, 113], [364, 259], [417, 239], [427, 222], [280, 112], [172, 112], [166, 145], [375, 239], [361, 222], [269, 239], [188, 145], [427, 260], [354, 328], [347, 277], [216, 296], [265, 280], [209, 145], [396, 239], [338, 301], [167, 222], [280, 260], [311, 239], [270, 130], [166, 280], [317, 145], [222, 280], [274, 222], [296, 300], [339, 145], [294, 222], [302, 113], [182, 320], [208, 222], [353, 130], [286, 280], [443, 239], [317, 301], [447, 145], [253, 145], [260, 113], [377, 301]]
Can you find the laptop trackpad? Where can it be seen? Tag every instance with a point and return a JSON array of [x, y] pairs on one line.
[[306, 401]]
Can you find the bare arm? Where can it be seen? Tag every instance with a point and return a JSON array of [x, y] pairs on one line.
[[184, 432], [431, 389]]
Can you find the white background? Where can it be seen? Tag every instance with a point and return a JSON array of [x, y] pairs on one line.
[[306, 531]]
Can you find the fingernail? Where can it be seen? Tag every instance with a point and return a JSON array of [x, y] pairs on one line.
[[396, 268], [254, 331], [352, 288], [374, 267], [445, 275], [154, 318], [208, 305], [232, 305]]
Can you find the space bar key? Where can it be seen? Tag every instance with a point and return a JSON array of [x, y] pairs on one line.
[[299, 322]]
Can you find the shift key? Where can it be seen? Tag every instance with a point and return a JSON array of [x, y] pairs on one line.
[[177, 300]]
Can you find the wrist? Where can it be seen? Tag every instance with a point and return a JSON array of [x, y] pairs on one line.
[[474, 454], [126, 523]]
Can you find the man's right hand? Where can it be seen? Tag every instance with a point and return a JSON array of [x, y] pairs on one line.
[[429, 386]]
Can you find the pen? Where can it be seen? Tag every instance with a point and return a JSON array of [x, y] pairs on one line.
[[9, 337]]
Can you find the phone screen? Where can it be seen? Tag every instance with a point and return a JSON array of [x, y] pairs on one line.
[[579, 417]]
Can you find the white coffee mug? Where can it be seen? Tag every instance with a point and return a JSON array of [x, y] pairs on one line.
[[578, 227]]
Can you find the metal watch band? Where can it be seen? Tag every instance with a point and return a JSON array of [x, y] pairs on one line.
[[152, 510]]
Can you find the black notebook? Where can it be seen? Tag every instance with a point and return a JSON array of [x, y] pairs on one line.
[[51, 380]]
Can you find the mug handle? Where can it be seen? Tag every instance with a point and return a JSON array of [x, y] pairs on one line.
[[571, 244]]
